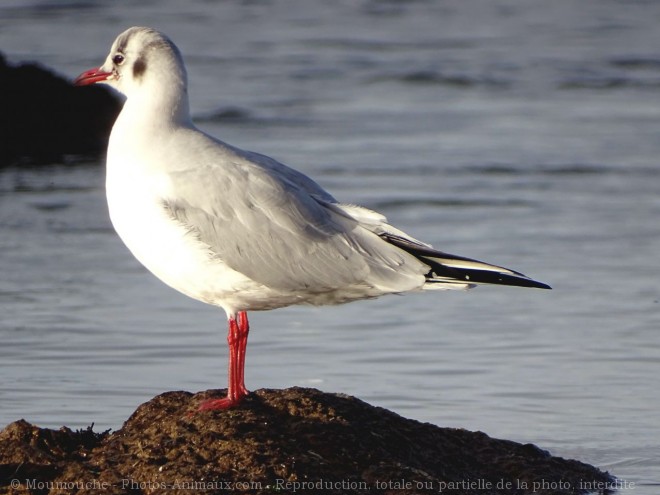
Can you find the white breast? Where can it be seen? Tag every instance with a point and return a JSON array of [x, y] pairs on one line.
[[166, 248]]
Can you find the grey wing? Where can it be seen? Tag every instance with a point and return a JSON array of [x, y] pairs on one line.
[[281, 172], [266, 225]]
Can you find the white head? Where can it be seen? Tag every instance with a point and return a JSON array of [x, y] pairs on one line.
[[143, 64]]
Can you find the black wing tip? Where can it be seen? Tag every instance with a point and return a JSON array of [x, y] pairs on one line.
[[534, 284], [499, 278], [478, 277], [439, 270]]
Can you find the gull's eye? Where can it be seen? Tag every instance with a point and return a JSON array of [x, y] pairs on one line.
[[118, 59]]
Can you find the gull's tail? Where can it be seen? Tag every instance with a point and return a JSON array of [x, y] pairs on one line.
[[447, 269]]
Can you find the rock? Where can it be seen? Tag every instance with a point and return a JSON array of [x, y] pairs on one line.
[[45, 119], [279, 441]]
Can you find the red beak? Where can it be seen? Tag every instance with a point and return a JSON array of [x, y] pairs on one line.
[[91, 76]]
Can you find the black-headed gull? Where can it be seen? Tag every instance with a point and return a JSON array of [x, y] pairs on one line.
[[237, 229]]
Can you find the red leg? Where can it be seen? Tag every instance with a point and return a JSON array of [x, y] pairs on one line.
[[244, 330], [237, 341]]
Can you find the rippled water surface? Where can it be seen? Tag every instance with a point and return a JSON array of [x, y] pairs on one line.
[[521, 133]]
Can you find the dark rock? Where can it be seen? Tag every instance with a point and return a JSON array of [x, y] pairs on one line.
[[46, 119], [279, 441]]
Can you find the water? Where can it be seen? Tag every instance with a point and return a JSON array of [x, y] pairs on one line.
[[521, 133]]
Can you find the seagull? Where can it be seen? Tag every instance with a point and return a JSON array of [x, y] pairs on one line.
[[237, 229]]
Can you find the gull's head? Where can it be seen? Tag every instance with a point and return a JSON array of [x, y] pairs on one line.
[[140, 58]]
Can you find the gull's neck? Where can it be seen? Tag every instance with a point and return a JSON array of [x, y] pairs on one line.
[[155, 107], [144, 131]]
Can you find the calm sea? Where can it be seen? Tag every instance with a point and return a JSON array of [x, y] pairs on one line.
[[524, 133]]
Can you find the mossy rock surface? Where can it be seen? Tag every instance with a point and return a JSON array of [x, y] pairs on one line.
[[296, 440]]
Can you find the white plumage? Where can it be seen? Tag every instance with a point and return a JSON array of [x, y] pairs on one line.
[[237, 229]]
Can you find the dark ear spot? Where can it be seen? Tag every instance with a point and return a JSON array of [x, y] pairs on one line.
[[139, 67]]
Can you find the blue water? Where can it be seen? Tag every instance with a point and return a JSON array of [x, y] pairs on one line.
[[521, 133]]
